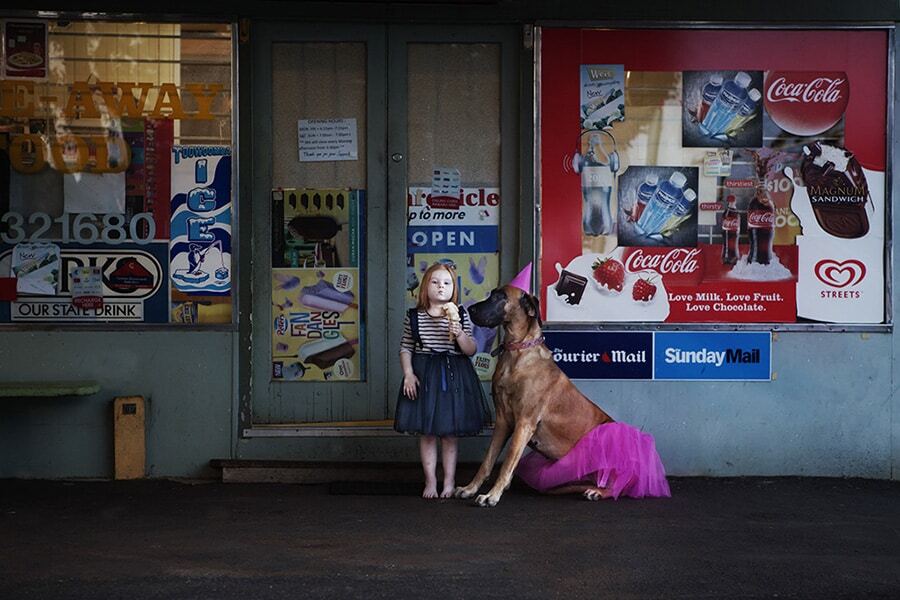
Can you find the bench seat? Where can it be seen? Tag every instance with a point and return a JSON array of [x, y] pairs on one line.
[[47, 389]]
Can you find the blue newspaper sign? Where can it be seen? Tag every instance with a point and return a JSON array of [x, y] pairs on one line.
[[602, 354], [713, 355]]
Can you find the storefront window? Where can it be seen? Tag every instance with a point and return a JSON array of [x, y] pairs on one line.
[[115, 173]]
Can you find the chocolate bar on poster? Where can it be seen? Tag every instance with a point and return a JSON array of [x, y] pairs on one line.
[[159, 137]]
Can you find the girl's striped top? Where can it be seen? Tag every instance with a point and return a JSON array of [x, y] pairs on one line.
[[434, 332]]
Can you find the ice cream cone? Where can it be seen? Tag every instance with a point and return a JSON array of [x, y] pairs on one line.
[[452, 313]]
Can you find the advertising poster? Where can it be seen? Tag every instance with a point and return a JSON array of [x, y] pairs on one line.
[[663, 355], [317, 227], [478, 274], [316, 328], [200, 246], [25, 49], [461, 230], [133, 288], [741, 186], [36, 268]]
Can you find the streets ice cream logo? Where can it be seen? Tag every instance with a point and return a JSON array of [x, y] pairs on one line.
[[609, 357], [848, 273], [806, 103]]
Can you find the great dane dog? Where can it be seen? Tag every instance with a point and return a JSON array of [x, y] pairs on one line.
[[535, 402]]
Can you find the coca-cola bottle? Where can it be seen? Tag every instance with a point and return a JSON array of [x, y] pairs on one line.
[[731, 231], [761, 227]]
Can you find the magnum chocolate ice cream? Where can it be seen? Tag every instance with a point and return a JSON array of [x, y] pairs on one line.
[[837, 189]]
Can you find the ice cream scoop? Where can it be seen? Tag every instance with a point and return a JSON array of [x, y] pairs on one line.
[[452, 313]]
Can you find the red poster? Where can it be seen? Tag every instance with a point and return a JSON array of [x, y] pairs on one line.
[[25, 49], [713, 176]]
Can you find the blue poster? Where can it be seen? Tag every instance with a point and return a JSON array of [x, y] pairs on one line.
[[200, 245], [602, 354], [713, 355]]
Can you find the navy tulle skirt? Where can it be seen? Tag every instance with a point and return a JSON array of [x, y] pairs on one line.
[[450, 401]]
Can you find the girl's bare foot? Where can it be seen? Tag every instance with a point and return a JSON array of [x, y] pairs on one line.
[[430, 490], [449, 486]]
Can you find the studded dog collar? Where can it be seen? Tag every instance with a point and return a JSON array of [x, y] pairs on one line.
[[523, 345]]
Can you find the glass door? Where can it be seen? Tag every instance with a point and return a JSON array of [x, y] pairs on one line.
[[454, 151], [349, 125]]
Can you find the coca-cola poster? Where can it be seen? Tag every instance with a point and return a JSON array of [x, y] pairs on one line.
[[792, 232], [806, 103]]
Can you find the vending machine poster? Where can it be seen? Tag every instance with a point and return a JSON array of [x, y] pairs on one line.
[[200, 244], [745, 185], [316, 327]]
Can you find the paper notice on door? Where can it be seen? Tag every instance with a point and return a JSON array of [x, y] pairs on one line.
[[322, 140], [445, 181]]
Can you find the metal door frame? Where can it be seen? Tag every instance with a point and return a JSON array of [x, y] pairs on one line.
[[386, 87]]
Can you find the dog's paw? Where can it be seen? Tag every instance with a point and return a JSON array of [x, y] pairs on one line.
[[486, 500], [464, 492], [593, 494]]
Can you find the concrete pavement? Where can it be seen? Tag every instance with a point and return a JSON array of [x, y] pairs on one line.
[[715, 538]]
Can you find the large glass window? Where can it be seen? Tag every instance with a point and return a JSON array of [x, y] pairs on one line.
[[115, 172]]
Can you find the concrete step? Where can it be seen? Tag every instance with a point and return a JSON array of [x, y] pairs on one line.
[[295, 471]]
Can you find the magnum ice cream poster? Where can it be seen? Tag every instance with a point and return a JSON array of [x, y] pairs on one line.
[[200, 243], [792, 231], [316, 333]]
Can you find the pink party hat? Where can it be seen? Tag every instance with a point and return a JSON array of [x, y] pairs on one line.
[[523, 279]]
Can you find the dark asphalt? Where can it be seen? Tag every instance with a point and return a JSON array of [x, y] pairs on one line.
[[715, 538]]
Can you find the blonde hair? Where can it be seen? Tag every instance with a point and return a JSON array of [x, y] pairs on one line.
[[423, 286]]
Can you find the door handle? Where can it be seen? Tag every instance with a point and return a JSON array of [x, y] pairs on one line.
[[396, 157]]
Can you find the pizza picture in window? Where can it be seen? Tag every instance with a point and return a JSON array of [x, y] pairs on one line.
[[25, 60]]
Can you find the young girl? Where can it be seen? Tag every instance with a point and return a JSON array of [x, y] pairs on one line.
[[441, 395]]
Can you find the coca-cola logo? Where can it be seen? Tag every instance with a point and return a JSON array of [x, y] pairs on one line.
[[731, 223], [676, 260], [840, 274], [806, 103], [764, 219]]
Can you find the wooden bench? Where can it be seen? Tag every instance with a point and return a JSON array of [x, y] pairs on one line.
[[47, 389]]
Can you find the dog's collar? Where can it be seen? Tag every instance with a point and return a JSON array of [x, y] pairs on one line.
[[523, 345]]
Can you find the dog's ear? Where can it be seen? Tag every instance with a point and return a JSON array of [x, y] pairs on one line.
[[532, 307]]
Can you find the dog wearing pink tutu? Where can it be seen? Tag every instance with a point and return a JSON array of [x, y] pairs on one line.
[[575, 446]]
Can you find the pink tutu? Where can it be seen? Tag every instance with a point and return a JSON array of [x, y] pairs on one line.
[[611, 449]]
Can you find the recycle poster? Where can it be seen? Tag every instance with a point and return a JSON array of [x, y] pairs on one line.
[[316, 328], [744, 186]]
